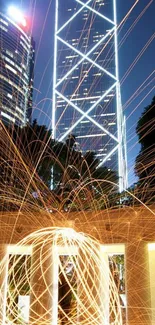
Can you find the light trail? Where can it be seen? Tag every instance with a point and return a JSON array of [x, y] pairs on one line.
[[138, 57], [134, 23], [139, 90], [90, 274], [82, 188]]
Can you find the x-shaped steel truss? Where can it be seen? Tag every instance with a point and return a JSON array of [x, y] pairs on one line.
[[86, 57]]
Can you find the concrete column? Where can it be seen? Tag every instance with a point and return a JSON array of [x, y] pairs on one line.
[[87, 305], [152, 278], [104, 285], [137, 283], [3, 281], [93, 286], [43, 292]]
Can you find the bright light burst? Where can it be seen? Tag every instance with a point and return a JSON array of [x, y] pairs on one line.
[[90, 285], [17, 15], [93, 288]]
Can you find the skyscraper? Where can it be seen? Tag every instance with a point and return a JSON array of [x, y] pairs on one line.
[[86, 92], [16, 70]]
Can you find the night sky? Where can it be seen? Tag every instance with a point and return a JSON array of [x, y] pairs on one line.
[[40, 14]]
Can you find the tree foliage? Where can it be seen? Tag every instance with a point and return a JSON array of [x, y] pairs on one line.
[[145, 161], [31, 155], [35, 145]]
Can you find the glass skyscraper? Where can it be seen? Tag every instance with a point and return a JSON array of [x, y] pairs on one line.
[[16, 72], [86, 92]]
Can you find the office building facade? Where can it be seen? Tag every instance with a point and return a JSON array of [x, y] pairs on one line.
[[86, 91], [16, 72]]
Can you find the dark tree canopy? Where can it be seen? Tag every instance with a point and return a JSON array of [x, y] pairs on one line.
[[28, 156], [145, 161], [35, 145], [146, 126], [70, 142]]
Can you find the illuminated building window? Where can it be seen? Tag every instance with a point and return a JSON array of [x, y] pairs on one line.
[[3, 21], [97, 74], [112, 123], [19, 110], [8, 117], [101, 154], [24, 40], [9, 95], [12, 84], [9, 53], [11, 69], [24, 46], [3, 28], [83, 122]]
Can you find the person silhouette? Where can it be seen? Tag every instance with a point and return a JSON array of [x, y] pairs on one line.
[[64, 298]]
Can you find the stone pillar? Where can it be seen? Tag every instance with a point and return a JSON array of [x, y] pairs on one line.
[[3, 281], [43, 292], [87, 304], [93, 286], [152, 278], [137, 283], [104, 285]]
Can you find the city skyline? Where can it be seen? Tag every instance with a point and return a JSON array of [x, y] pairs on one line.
[[136, 32]]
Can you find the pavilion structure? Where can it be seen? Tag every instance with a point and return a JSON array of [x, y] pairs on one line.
[[129, 231]]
